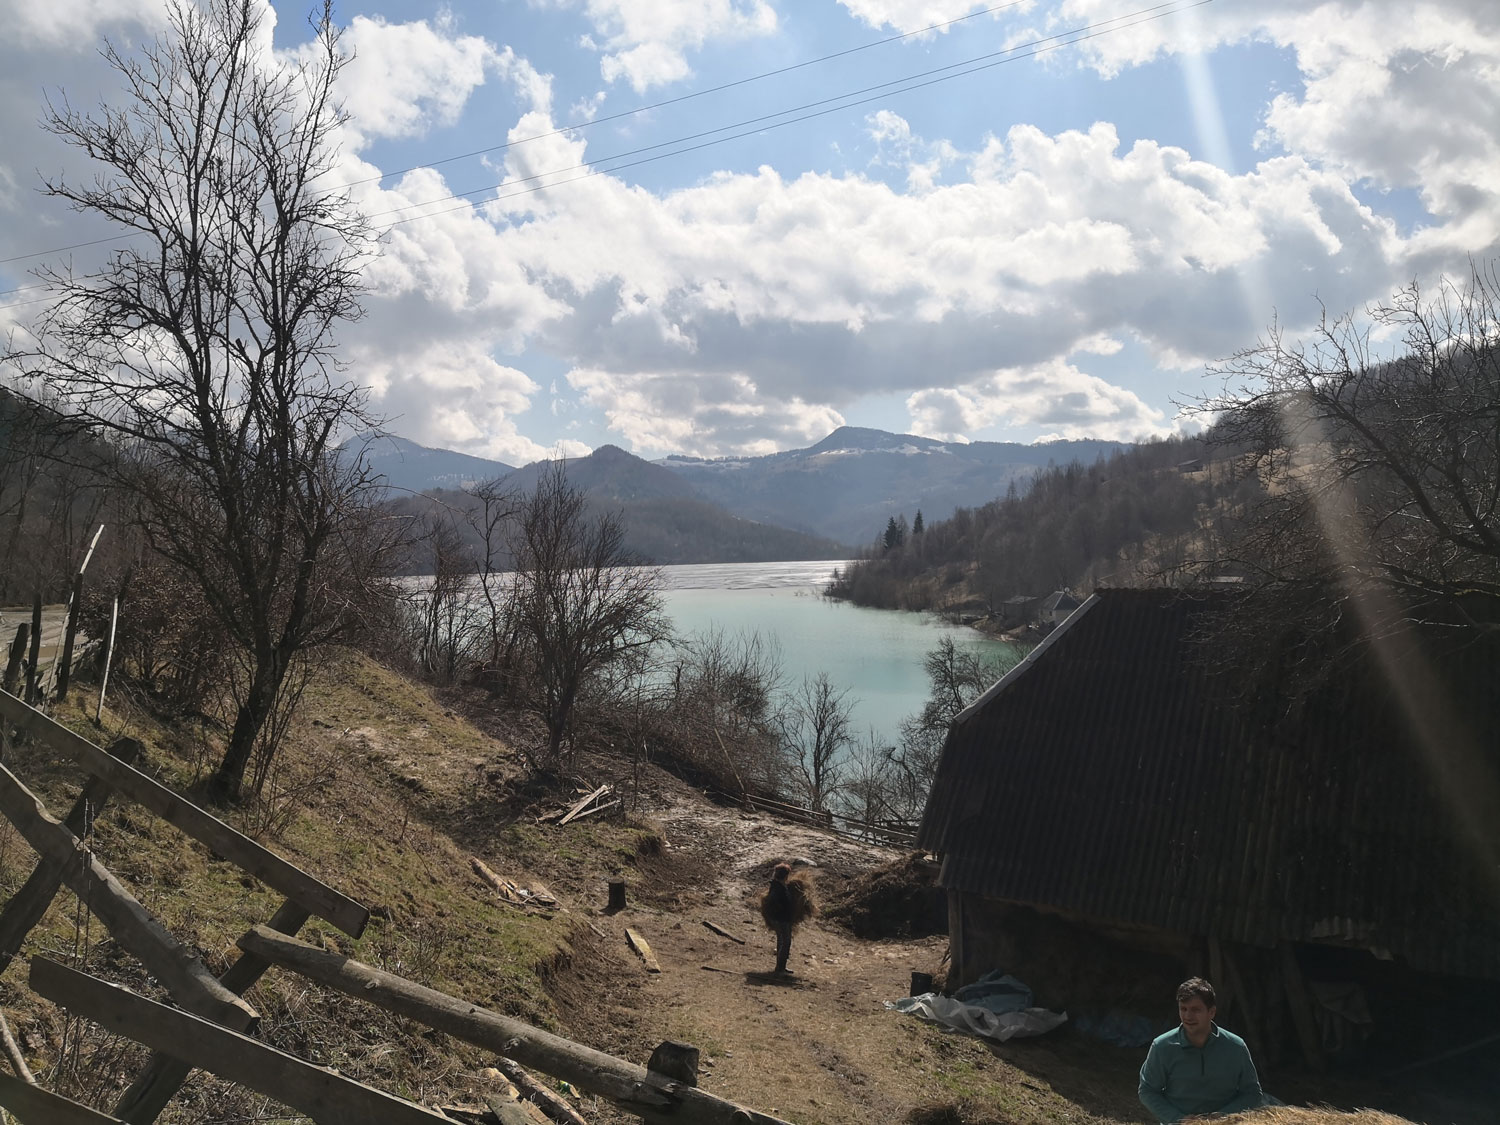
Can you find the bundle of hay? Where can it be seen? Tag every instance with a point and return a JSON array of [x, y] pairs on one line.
[[799, 893], [1295, 1115]]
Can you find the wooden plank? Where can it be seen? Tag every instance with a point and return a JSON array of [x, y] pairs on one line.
[[326, 1097], [128, 922], [163, 1075], [26, 906], [32, 1105], [722, 932], [584, 803], [511, 1111], [597, 809], [643, 948], [239, 849], [626, 1084]]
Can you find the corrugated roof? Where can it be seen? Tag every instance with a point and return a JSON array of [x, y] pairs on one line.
[[1107, 775]]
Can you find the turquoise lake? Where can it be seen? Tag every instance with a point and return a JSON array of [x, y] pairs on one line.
[[875, 653]]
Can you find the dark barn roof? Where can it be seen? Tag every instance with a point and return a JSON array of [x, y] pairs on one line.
[[1108, 776]]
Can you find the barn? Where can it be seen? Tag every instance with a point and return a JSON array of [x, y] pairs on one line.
[[1314, 855]]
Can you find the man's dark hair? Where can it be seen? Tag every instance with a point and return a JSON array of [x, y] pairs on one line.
[[1196, 986]]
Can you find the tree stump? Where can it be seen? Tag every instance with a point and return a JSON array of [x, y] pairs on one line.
[[678, 1061]]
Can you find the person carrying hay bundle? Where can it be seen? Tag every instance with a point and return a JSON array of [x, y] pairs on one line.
[[787, 903]]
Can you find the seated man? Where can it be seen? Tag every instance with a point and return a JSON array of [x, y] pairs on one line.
[[1198, 1069]]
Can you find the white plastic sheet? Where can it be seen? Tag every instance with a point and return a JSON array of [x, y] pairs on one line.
[[975, 1020]]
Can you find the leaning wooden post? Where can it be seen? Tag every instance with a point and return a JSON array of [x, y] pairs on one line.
[[26, 906], [61, 662], [109, 652], [657, 1099], [33, 673], [65, 663], [164, 1075], [133, 927], [17, 655]]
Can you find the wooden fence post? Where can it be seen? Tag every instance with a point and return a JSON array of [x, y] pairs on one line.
[[628, 1085], [17, 655], [109, 652], [132, 926], [164, 1075], [325, 1096], [26, 906], [33, 672], [65, 663]]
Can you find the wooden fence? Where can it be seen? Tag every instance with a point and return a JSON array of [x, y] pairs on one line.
[[895, 834], [212, 1027]]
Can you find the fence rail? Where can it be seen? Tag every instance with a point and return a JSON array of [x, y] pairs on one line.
[[890, 834]]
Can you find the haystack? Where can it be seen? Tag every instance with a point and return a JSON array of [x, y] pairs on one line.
[[1296, 1115], [800, 893]]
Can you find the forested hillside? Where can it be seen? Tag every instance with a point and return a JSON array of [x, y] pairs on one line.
[[1125, 519]]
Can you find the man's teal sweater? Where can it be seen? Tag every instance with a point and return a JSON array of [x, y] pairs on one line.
[[1179, 1080]]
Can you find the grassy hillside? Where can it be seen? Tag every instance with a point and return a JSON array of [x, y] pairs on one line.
[[384, 794]]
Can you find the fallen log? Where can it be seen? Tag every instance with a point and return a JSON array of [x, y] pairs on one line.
[[627, 1085], [548, 1102], [503, 887]]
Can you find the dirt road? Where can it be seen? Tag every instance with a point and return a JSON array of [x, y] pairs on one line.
[[818, 1045]]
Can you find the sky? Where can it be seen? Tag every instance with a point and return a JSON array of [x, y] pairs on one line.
[[726, 227]]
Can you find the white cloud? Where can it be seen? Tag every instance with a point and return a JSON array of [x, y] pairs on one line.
[[647, 44], [706, 416], [1402, 94], [75, 26], [406, 78], [1056, 396], [915, 15]]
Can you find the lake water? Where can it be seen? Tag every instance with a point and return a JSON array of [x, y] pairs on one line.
[[875, 653]]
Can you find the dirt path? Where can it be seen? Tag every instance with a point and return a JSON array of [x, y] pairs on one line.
[[819, 1045]]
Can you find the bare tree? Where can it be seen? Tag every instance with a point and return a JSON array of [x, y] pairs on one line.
[[449, 617], [204, 349], [816, 733], [492, 512], [582, 602], [956, 677], [1378, 475]]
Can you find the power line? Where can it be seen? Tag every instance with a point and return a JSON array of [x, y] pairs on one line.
[[599, 120], [766, 122], [690, 96]]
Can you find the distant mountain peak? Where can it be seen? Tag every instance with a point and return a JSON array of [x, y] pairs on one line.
[[863, 438]]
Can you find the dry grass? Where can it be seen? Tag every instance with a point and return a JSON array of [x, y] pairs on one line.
[[1294, 1115]]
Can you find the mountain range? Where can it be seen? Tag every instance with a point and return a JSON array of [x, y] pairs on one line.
[[798, 504]]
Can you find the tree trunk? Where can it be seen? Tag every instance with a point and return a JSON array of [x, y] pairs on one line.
[[225, 785]]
